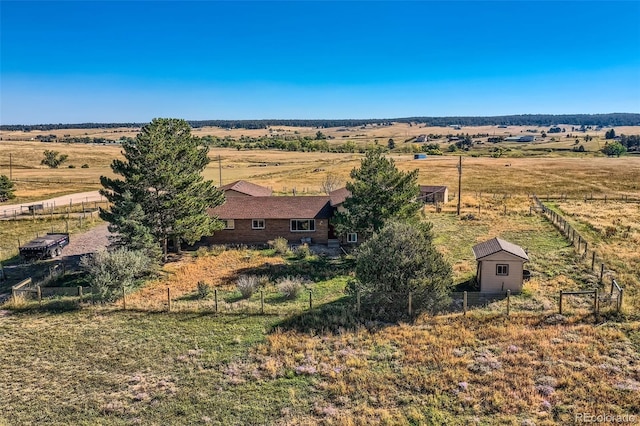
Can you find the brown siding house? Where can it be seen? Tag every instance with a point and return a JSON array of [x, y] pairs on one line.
[[257, 220]]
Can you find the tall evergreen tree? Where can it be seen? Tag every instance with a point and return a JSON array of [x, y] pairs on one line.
[[162, 174], [379, 192]]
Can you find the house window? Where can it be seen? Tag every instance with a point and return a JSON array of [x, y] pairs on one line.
[[257, 224], [352, 237], [502, 269], [303, 225], [229, 224]]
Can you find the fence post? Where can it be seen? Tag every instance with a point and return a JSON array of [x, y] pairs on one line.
[[601, 272], [620, 299], [560, 304], [410, 296], [124, 299], [262, 302], [595, 302], [80, 296], [310, 301], [612, 284], [586, 247], [169, 299], [39, 290], [593, 261], [464, 303], [215, 298], [508, 301]]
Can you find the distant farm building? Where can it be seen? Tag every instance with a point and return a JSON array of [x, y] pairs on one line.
[[500, 266], [434, 194], [524, 138], [422, 138]]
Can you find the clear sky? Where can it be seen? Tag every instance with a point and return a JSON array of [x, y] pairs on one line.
[[91, 61]]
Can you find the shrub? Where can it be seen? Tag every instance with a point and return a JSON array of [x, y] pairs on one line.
[[84, 166], [263, 280], [398, 259], [201, 252], [217, 250], [247, 284], [280, 245], [111, 271], [71, 166], [290, 287], [303, 251], [204, 290]]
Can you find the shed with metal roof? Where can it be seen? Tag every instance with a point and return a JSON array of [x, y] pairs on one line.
[[500, 266]]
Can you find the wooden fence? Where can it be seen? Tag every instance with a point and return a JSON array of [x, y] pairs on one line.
[[582, 247]]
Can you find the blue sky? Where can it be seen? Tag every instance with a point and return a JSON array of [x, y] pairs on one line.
[[91, 61]]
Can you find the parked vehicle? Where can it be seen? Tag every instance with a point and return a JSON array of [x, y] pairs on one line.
[[48, 246]]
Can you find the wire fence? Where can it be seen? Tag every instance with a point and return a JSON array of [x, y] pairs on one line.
[[583, 248]]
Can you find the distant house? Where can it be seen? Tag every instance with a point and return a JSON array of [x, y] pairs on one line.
[[422, 138], [500, 266], [257, 220], [242, 188], [434, 194], [525, 138]]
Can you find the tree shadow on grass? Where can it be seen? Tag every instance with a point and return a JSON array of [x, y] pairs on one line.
[[316, 268]]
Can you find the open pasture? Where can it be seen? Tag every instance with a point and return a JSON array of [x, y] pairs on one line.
[[369, 133], [283, 171]]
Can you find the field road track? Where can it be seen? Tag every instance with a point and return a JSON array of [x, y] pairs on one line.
[[77, 198]]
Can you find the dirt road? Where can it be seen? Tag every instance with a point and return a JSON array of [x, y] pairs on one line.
[[77, 198]]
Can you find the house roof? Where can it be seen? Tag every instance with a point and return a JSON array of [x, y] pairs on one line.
[[301, 207], [246, 188], [496, 245], [431, 189], [339, 196]]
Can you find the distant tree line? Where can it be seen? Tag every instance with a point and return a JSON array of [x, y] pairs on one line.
[[604, 120]]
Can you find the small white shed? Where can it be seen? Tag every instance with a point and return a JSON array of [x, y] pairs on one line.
[[500, 266]]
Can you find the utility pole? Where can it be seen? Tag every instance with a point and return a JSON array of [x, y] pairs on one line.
[[10, 168], [459, 182], [220, 168]]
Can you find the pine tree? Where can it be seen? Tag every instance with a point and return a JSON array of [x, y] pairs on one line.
[[379, 192], [162, 174], [6, 188]]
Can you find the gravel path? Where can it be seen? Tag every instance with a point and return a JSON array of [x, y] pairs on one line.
[[88, 242]]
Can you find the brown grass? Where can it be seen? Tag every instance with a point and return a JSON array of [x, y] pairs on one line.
[[613, 229], [219, 271], [452, 369]]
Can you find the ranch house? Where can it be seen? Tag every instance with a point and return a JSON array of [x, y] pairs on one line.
[[500, 266], [257, 220]]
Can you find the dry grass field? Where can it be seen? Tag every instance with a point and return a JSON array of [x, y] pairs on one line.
[[304, 171], [613, 229], [397, 131]]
